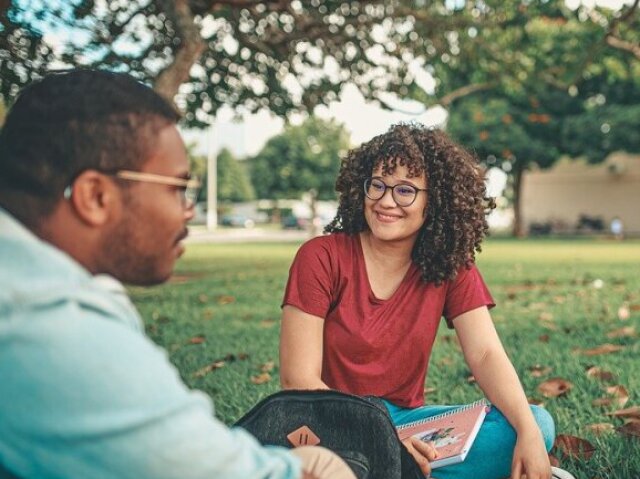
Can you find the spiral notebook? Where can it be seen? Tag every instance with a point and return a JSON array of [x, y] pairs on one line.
[[452, 433]]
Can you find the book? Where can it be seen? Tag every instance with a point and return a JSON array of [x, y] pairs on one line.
[[452, 433]]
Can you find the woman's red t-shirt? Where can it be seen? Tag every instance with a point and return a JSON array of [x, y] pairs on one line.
[[372, 346]]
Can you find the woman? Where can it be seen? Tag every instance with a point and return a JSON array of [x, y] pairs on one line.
[[363, 304]]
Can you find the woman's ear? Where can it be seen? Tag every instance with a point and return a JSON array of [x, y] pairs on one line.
[[93, 196]]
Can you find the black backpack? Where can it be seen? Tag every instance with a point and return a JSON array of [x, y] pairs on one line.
[[358, 429]]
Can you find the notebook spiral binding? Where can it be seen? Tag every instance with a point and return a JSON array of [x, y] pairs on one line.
[[445, 414]]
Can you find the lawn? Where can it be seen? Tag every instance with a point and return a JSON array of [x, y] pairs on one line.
[[558, 302]]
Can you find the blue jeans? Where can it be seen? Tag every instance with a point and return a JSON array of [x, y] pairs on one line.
[[492, 451]]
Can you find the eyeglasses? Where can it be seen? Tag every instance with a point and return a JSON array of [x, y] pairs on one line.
[[403, 194], [189, 187]]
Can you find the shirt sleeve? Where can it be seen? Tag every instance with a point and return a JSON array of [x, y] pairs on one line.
[[83, 395], [466, 292], [309, 287]]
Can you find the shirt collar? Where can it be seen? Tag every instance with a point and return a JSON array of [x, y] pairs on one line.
[[11, 227]]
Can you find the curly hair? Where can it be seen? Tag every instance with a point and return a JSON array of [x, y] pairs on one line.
[[71, 121], [457, 203]]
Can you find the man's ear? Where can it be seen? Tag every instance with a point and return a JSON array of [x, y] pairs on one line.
[[93, 197]]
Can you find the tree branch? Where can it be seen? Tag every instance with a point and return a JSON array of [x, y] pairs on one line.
[[621, 44], [386, 105], [623, 18], [119, 28], [188, 52], [609, 34], [448, 99]]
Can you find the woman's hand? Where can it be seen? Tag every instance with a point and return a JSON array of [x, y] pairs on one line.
[[422, 452], [530, 457]]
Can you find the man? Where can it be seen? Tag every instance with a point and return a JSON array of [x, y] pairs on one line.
[[94, 190]]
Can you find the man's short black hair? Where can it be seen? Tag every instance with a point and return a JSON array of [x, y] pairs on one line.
[[69, 122]]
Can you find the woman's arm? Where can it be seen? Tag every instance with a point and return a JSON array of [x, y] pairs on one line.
[[301, 350], [498, 379]]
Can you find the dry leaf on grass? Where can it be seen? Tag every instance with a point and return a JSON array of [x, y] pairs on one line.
[[535, 401], [267, 323], [631, 412], [446, 361], [620, 397], [630, 429], [625, 332], [618, 391], [261, 378], [550, 326], [543, 338], [554, 387], [574, 447], [225, 299], [267, 367], [539, 370], [602, 349], [624, 313], [203, 298], [429, 390], [600, 428], [208, 368], [197, 339], [599, 373], [471, 379], [545, 316]]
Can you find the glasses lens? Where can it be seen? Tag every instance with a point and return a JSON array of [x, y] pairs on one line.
[[374, 188], [191, 194], [404, 195]]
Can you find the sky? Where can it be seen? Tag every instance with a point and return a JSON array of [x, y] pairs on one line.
[[362, 119]]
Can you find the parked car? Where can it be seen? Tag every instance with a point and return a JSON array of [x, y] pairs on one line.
[[294, 222], [237, 221]]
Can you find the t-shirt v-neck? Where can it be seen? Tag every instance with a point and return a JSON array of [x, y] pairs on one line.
[[362, 268]]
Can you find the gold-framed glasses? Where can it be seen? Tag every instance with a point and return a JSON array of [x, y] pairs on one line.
[[189, 187]]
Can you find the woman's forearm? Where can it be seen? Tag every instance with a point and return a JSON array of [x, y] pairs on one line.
[[498, 379], [297, 382]]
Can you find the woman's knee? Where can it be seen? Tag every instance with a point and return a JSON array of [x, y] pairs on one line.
[[546, 425]]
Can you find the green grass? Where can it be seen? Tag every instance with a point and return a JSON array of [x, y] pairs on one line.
[[548, 308]]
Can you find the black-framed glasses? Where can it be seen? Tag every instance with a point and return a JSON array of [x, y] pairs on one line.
[[402, 193], [189, 187]]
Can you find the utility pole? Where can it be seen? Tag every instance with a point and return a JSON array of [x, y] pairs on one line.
[[212, 180]]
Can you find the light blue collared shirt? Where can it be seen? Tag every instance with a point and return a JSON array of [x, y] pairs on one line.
[[84, 393]]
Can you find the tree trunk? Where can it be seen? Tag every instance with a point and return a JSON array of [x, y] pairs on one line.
[[314, 226], [186, 54], [518, 227]]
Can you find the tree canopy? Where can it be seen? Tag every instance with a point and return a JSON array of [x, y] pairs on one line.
[[300, 159], [524, 81], [234, 183], [293, 55], [563, 90]]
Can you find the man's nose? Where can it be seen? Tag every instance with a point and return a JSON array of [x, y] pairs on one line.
[[189, 212]]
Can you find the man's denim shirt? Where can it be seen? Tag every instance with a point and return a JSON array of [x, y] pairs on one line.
[[85, 394]]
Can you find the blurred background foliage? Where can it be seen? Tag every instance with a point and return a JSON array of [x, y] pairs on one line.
[[524, 82]]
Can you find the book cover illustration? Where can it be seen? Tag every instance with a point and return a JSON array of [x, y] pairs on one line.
[[451, 433]]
